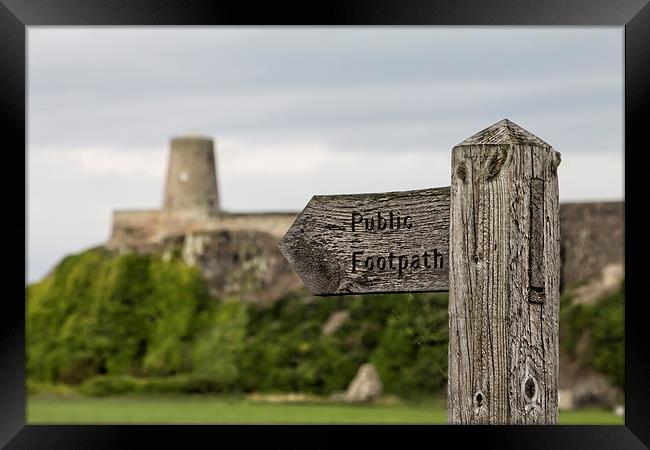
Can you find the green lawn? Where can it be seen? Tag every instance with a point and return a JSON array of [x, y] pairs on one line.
[[220, 410]]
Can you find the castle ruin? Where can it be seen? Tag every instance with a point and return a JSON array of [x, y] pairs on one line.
[[190, 203]]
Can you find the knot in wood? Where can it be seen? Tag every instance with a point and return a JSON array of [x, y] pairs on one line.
[[479, 398], [494, 163], [530, 389], [556, 159], [461, 171]]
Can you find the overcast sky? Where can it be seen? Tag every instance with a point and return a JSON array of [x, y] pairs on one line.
[[301, 111]]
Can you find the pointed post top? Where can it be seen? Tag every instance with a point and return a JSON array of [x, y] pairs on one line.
[[503, 132]]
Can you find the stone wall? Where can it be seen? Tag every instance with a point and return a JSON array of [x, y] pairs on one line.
[[592, 240], [276, 224], [140, 230]]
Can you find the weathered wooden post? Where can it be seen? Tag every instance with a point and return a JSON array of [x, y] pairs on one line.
[[492, 241], [504, 279]]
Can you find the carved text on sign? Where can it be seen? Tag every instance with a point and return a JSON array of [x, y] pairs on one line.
[[395, 262]]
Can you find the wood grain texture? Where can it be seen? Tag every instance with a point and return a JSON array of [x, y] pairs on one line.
[[320, 244], [503, 335]]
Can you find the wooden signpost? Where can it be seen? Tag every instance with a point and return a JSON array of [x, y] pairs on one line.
[[491, 239], [372, 243]]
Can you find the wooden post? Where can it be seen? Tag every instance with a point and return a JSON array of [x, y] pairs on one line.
[[504, 279]]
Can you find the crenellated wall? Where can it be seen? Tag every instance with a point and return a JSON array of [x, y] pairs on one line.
[[142, 229]]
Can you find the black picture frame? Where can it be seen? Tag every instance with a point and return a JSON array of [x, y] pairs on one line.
[[16, 15]]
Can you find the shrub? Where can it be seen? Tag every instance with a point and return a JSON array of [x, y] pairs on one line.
[[101, 386], [99, 313], [602, 325], [106, 385]]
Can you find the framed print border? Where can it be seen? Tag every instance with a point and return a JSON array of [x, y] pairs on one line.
[[17, 15]]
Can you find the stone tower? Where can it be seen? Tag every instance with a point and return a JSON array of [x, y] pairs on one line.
[[191, 184]]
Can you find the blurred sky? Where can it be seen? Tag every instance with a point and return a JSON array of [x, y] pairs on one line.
[[301, 111]]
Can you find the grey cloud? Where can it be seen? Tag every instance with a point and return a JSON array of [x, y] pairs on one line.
[[135, 87], [323, 114], [156, 60]]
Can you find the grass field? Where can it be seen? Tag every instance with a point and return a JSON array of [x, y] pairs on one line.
[[220, 410]]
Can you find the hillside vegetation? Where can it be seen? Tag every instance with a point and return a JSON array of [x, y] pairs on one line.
[[107, 324], [593, 335]]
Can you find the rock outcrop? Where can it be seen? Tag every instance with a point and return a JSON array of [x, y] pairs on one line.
[[365, 387], [246, 264], [334, 322], [585, 387], [597, 288]]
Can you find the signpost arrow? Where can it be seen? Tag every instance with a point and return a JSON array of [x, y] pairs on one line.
[[372, 243]]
